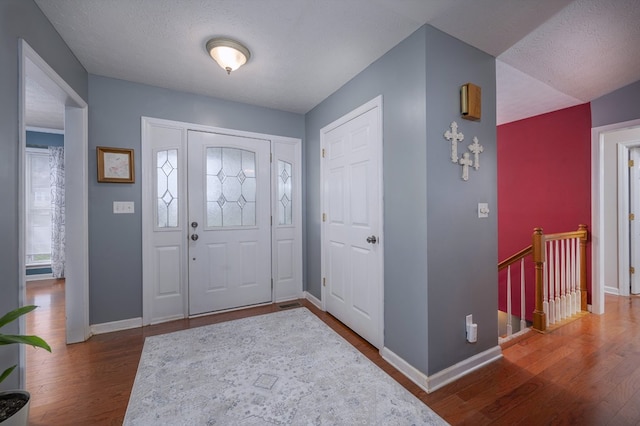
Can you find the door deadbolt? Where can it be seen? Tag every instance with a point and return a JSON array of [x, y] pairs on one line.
[[194, 225]]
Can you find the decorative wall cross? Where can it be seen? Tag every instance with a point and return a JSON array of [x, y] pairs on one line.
[[465, 161], [455, 137], [476, 149]]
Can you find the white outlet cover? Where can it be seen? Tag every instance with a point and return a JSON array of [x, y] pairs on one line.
[[483, 210], [123, 207]]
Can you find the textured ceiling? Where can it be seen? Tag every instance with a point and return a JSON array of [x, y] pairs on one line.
[[551, 53]]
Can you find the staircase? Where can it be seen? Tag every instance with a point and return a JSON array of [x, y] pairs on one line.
[[557, 290]]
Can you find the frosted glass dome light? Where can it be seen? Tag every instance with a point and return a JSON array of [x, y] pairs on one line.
[[229, 54]]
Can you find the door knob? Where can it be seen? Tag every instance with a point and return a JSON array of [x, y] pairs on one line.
[[194, 237], [372, 239]]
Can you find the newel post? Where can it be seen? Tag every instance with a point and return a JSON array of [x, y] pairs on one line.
[[539, 317], [583, 266]]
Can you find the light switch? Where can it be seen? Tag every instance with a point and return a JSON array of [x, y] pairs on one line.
[[483, 209], [120, 207]]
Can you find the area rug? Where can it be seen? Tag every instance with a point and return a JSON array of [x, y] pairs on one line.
[[283, 368]]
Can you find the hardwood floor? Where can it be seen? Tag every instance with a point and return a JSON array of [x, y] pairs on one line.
[[585, 373]]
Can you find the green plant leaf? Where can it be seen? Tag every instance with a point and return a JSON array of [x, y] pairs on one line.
[[16, 313], [6, 373], [7, 339]]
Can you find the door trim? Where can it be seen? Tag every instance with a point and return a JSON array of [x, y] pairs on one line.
[[598, 217], [624, 208], [147, 216], [372, 104], [633, 195]]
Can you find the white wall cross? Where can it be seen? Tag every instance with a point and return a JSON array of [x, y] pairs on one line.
[[465, 161], [455, 137], [476, 149]]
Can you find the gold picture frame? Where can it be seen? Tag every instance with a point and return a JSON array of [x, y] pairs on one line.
[[115, 165]]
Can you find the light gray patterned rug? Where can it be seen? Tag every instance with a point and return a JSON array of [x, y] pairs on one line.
[[283, 368]]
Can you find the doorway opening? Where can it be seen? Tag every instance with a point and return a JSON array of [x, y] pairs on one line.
[[35, 73], [610, 211]]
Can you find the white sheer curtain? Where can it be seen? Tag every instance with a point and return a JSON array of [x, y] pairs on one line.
[[56, 166]]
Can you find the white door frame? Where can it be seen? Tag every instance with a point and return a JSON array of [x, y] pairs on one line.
[[76, 192], [148, 228], [598, 173], [632, 193], [624, 207], [374, 103]]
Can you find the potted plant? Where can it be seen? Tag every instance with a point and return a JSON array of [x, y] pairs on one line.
[[14, 405]]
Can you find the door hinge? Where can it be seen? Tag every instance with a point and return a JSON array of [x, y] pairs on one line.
[[271, 283], [324, 217], [271, 157], [630, 163], [322, 152], [324, 282], [271, 220], [632, 270], [632, 216]]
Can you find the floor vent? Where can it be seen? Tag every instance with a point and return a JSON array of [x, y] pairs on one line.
[[290, 305]]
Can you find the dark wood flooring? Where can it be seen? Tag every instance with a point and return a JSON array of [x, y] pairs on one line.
[[585, 373]]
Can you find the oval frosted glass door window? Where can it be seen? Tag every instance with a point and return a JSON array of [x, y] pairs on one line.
[[231, 187]]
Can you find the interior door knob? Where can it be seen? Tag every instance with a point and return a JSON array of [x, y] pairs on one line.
[[372, 239], [194, 237]]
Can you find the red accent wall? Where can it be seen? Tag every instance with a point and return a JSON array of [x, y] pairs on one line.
[[544, 180]]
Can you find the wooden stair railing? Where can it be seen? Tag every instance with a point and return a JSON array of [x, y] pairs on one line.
[[560, 283]]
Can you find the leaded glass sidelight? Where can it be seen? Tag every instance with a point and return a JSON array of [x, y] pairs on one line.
[[167, 185], [231, 187], [285, 198]]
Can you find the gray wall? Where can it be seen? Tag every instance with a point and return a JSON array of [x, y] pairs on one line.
[[616, 107], [21, 19], [115, 241], [399, 77], [440, 259], [462, 255]]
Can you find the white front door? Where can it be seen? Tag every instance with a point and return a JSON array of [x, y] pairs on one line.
[[352, 221], [229, 210]]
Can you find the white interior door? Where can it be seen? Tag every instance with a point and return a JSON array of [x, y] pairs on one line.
[[634, 191], [352, 224], [229, 220]]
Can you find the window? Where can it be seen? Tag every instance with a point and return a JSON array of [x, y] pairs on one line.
[[285, 198], [38, 207], [231, 187], [167, 186]]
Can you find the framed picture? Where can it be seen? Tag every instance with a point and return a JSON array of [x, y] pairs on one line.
[[115, 165]]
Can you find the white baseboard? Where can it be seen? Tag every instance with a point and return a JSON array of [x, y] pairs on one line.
[[412, 373], [311, 298], [287, 299], [446, 376], [39, 277], [612, 290], [108, 327]]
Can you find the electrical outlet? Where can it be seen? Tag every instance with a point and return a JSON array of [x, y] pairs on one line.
[[471, 329]]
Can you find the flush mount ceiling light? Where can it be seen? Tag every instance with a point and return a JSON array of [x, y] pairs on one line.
[[229, 54]]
